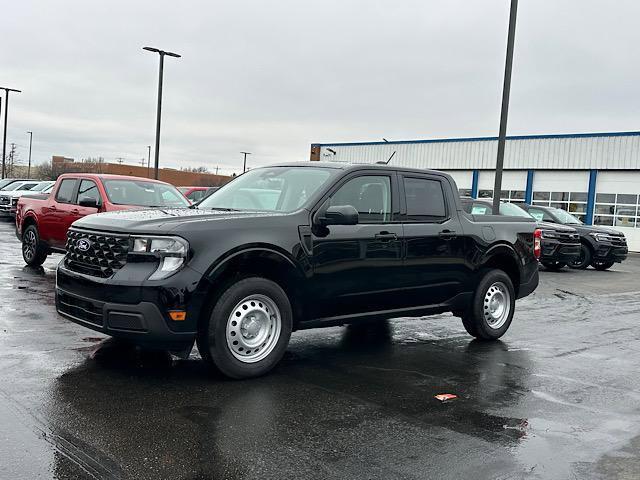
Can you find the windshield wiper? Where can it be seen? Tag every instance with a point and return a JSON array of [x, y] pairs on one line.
[[225, 209]]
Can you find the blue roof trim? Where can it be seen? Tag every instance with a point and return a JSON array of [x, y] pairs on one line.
[[480, 139]]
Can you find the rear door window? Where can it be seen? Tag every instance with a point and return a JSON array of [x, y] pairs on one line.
[[425, 199], [66, 190]]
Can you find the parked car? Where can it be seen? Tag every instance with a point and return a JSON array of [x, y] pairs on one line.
[[42, 220], [195, 194], [9, 200], [560, 244], [290, 247], [600, 247], [6, 195]]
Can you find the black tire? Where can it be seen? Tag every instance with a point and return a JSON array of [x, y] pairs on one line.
[[600, 265], [33, 252], [212, 340], [494, 283], [584, 260], [554, 266]]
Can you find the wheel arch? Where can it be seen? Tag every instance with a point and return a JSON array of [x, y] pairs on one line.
[[258, 260], [504, 257]]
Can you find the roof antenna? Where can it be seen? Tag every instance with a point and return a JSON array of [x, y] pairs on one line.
[[387, 162]]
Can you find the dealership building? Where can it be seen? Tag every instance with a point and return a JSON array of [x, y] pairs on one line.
[[595, 176]]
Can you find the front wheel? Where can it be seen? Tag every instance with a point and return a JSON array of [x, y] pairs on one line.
[[583, 260], [489, 315], [248, 329], [600, 265], [554, 266], [33, 252]]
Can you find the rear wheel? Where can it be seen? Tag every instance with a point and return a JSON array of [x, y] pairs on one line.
[[583, 260], [600, 265], [554, 266], [491, 312], [248, 329], [33, 252]]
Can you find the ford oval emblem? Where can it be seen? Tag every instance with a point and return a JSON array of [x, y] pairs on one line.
[[83, 245]]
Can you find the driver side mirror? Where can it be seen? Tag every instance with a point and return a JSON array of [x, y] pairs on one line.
[[339, 215], [89, 202]]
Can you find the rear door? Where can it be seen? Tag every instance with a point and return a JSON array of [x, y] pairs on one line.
[[434, 264], [55, 213], [356, 268]]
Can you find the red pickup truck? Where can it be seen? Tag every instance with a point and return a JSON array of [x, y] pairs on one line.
[[42, 221]]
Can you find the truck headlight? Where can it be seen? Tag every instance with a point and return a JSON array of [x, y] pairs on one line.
[[549, 234], [600, 237], [171, 251]]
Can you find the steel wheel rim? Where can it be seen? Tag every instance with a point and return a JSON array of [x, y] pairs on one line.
[[497, 305], [29, 244], [253, 328]]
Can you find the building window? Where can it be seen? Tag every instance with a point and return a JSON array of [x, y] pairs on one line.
[[464, 192], [485, 194], [616, 210], [573, 202], [512, 196]]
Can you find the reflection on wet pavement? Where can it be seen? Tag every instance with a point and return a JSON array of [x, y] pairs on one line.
[[556, 398]]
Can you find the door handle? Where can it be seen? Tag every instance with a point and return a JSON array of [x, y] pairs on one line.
[[386, 236], [447, 234], [75, 210]]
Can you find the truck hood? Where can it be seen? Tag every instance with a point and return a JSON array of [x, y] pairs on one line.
[[597, 229], [556, 227], [157, 221]]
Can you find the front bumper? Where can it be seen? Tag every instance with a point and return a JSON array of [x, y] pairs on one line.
[[608, 252], [7, 210], [555, 251], [137, 311]]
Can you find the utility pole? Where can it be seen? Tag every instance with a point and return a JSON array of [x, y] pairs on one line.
[[148, 160], [506, 89], [12, 158], [29, 167], [217, 169], [244, 166], [120, 160], [6, 115], [162, 53], [142, 161]]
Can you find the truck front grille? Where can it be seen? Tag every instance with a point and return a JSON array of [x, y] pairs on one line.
[[568, 237], [96, 254], [80, 308], [4, 200]]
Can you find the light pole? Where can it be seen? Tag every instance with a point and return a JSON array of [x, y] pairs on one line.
[[29, 167], [506, 89], [162, 53], [244, 166], [6, 114], [148, 160]]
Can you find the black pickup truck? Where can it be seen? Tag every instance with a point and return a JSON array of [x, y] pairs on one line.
[[559, 244], [291, 247], [600, 247]]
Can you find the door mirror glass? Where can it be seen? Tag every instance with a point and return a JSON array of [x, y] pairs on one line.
[[90, 202], [339, 215]]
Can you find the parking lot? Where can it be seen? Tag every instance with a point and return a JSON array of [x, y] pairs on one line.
[[557, 398]]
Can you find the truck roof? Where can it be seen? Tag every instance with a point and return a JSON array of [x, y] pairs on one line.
[[355, 166], [109, 176]]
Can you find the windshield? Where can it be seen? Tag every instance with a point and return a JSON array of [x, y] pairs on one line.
[[144, 194], [16, 186], [41, 186], [513, 210], [272, 189], [5, 182], [565, 217]]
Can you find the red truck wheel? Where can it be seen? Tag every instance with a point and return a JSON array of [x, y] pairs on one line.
[[33, 252]]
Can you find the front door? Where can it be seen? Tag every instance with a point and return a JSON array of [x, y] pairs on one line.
[[356, 267]]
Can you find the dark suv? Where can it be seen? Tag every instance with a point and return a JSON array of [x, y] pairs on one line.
[[600, 247], [560, 244], [290, 247]]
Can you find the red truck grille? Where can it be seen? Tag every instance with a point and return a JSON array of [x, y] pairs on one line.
[[96, 254]]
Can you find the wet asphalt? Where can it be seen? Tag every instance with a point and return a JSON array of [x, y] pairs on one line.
[[558, 397]]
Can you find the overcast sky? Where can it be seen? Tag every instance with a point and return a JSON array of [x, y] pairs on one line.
[[272, 77]]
